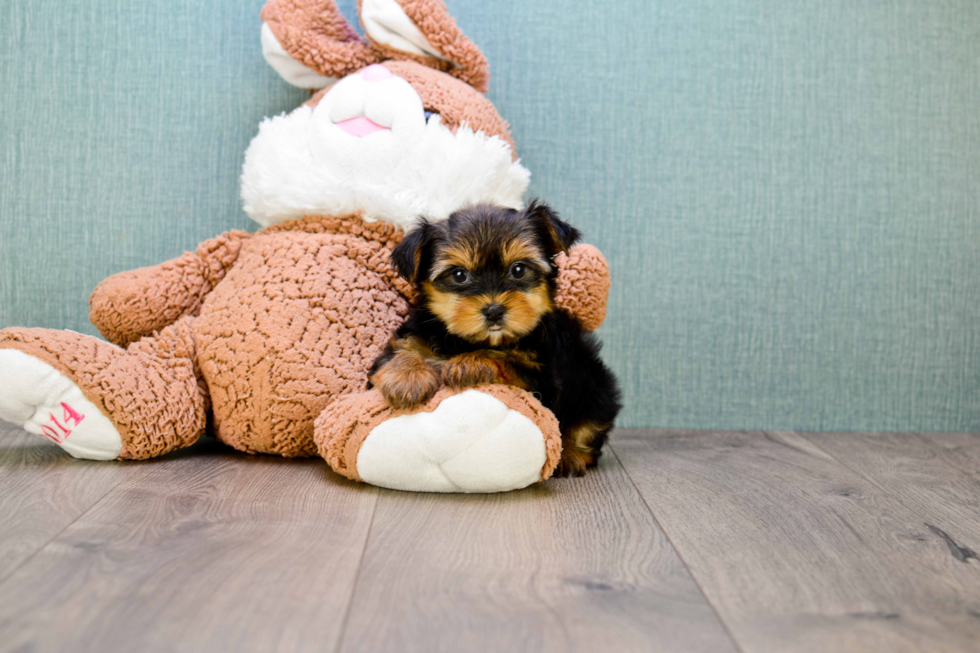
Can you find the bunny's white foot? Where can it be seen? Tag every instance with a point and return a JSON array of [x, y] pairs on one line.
[[41, 400], [472, 442]]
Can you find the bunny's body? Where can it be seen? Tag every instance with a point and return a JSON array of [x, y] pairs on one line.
[[270, 335]]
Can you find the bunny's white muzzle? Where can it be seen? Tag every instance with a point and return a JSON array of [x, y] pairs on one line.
[[367, 123]]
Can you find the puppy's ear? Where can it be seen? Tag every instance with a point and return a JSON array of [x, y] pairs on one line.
[[410, 257], [556, 234]]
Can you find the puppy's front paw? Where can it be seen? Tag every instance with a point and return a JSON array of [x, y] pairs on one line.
[[574, 462], [406, 382], [410, 391], [467, 370]]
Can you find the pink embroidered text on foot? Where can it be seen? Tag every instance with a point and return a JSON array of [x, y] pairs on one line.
[[60, 434]]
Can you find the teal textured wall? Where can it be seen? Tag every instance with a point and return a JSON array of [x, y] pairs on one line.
[[788, 192]]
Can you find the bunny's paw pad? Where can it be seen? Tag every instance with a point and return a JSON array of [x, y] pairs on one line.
[[471, 442], [41, 400]]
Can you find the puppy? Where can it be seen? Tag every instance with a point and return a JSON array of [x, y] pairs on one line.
[[485, 313]]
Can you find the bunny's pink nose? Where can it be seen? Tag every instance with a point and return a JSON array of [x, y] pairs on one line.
[[360, 126], [376, 73]]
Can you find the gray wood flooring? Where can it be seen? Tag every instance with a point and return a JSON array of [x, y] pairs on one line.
[[681, 541]]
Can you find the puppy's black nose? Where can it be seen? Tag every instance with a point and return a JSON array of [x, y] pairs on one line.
[[494, 312]]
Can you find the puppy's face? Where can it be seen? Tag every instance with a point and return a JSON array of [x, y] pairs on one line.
[[489, 283], [486, 273]]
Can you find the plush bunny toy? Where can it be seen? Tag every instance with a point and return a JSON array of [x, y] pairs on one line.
[[269, 335]]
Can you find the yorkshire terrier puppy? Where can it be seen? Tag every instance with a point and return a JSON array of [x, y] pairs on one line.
[[485, 313]]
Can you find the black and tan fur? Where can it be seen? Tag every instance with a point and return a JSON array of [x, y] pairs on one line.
[[485, 314]]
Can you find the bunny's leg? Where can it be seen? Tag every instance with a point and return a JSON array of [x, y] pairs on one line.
[[98, 401]]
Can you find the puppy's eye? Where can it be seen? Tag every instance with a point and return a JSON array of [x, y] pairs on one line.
[[518, 270], [459, 276]]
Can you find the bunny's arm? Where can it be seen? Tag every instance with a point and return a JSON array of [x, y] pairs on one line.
[[130, 305], [583, 285]]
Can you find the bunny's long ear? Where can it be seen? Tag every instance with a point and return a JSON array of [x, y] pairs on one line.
[[423, 31], [311, 44]]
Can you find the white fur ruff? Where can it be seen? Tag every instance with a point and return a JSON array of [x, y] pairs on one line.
[[288, 174]]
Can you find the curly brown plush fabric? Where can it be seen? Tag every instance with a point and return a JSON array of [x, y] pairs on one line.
[[385, 236], [344, 425]]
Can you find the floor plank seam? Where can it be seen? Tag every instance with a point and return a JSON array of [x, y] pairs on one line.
[[26, 560], [357, 574], [714, 609]]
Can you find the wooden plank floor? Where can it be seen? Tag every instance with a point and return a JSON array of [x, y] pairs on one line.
[[796, 551], [681, 541]]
